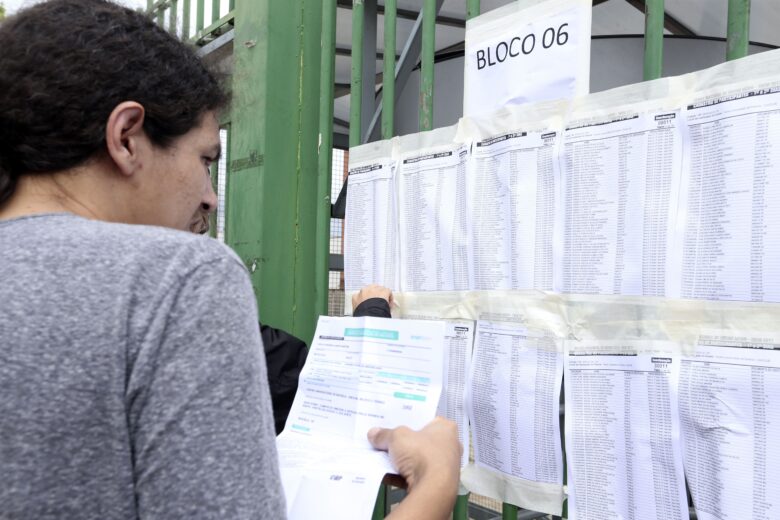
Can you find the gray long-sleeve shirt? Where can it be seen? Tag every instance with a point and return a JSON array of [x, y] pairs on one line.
[[132, 376]]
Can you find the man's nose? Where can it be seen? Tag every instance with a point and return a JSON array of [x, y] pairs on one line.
[[209, 202]]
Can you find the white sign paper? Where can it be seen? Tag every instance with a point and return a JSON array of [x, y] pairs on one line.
[[525, 52]]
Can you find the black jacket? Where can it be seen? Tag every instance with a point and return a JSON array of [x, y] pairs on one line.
[[285, 355]]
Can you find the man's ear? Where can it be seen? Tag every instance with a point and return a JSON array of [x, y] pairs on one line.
[[125, 137]]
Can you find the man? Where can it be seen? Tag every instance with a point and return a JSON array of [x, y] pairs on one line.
[[123, 394]]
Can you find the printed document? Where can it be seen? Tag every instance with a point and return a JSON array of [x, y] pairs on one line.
[[513, 402], [370, 251], [360, 373], [730, 417], [623, 432], [512, 211], [432, 218], [620, 179], [729, 217]]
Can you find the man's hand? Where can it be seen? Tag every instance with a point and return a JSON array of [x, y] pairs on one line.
[[372, 291], [429, 460]]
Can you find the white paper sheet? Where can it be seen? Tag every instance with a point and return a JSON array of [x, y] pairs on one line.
[[458, 344], [512, 400], [527, 51], [730, 417], [622, 431], [511, 201], [729, 222], [370, 237], [620, 177], [432, 212], [360, 373]]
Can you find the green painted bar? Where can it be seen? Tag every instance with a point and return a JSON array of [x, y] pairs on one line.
[[356, 89], [738, 35], [325, 164], [149, 4], [200, 18], [160, 15], [232, 4], [272, 188], [185, 21], [388, 74], [472, 9], [214, 10], [380, 508], [427, 64], [225, 20], [174, 17], [461, 511], [508, 512], [654, 39]]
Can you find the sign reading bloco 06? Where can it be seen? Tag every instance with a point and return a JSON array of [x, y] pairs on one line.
[[527, 51]]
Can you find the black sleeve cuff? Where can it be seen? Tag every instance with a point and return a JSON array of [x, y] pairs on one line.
[[375, 307]]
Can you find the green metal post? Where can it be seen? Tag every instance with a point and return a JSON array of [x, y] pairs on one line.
[[461, 511], [738, 37], [654, 39], [472, 9], [388, 75], [160, 16], [185, 21], [380, 508], [214, 10], [174, 17], [508, 512], [325, 164], [149, 4], [232, 4], [356, 89], [272, 188], [200, 18], [427, 64]]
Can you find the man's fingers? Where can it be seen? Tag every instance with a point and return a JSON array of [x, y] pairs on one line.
[[380, 438]]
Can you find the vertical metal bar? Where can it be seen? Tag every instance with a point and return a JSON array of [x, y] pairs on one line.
[[472, 9], [215, 10], [174, 17], [388, 74], [508, 512], [461, 512], [325, 158], [185, 21], [380, 508], [200, 16], [272, 188], [369, 97], [356, 89], [654, 39], [738, 36], [427, 65], [160, 16], [149, 4], [232, 4]]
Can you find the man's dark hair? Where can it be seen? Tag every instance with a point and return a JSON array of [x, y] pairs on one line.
[[66, 64]]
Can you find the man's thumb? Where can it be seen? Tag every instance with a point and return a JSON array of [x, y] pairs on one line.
[[379, 438]]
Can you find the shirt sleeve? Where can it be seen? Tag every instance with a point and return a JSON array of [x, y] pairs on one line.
[[284, 358], [199, 413], [376, 307]]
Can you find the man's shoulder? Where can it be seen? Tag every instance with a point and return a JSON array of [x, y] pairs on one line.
[[165, 246], [120, 245]]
